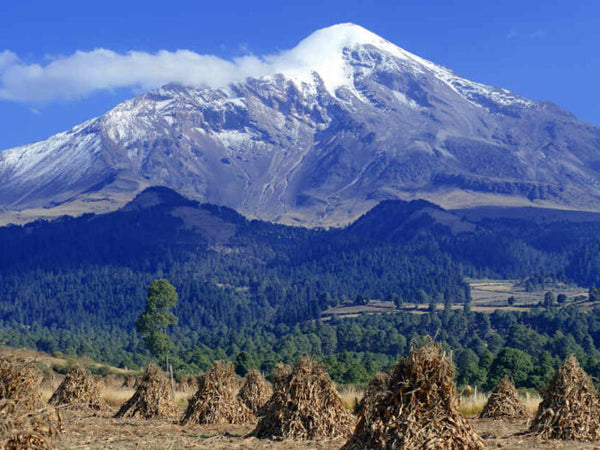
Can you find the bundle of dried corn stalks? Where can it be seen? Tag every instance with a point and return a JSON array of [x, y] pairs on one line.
[[19, 381], [25, 428], [304, 405], [504, 403], [419, 409], [129, 381], [255, 391], [79, 388], [376, 389], [570, 408], [216, 401], [152, 397], [24, 421], [281, 376]]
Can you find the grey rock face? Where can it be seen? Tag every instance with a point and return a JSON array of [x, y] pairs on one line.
[[293, 150]]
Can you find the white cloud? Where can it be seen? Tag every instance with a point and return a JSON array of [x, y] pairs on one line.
[[82, 73], [7, 59]]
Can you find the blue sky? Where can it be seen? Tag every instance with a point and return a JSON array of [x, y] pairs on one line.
[[546, 50]]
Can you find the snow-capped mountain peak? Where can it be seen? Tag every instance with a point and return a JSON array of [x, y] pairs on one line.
[[323, 53], [320, 134], [326, 53]]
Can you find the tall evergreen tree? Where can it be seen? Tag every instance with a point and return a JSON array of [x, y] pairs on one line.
[[153, 323]]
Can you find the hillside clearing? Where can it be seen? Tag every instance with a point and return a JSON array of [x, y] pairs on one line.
[[488, 295]]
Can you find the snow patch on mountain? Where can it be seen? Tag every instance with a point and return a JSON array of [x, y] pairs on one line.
[[42, 155]]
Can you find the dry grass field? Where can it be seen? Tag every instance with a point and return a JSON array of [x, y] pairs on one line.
[[99, 430], [87, 429], [95, 431]]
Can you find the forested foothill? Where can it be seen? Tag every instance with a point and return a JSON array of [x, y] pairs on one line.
[[254, 292]]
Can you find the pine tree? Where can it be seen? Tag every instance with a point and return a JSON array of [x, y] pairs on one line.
[[153, 323]]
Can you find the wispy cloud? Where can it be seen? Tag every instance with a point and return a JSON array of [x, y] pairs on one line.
[[82, 73], [512, 34], [538, 34], [523, 35]]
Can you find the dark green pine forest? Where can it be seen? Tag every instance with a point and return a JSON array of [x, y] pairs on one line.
[[254, 292]]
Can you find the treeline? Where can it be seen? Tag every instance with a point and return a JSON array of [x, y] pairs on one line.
[[77, 285], [527, 345], [94, 270]]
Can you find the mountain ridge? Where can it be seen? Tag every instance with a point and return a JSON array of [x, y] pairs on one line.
[[348, 120]]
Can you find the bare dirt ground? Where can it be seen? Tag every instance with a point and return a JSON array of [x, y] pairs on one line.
[[85, 430], [509, 435]]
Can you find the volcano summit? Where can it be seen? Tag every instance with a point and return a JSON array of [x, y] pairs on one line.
[[321, 134]]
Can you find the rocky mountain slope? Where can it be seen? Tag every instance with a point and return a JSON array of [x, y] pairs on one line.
[[353, 121]]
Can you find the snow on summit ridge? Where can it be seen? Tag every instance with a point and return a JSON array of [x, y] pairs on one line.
[[323, 52]]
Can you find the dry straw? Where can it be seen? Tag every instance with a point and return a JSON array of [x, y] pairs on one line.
[[216, 401], [255, 391], [187, 384], [570, 407], [419, 409], [79, 388], [129, 381], [19, 381], [304, 405], [376, 390], [152, 397], [24, 422], [281, 377], [504, 403]]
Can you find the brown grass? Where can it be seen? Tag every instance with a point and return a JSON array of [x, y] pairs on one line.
[[472, 405], [99, 431], [129, 381], [350, 395]]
